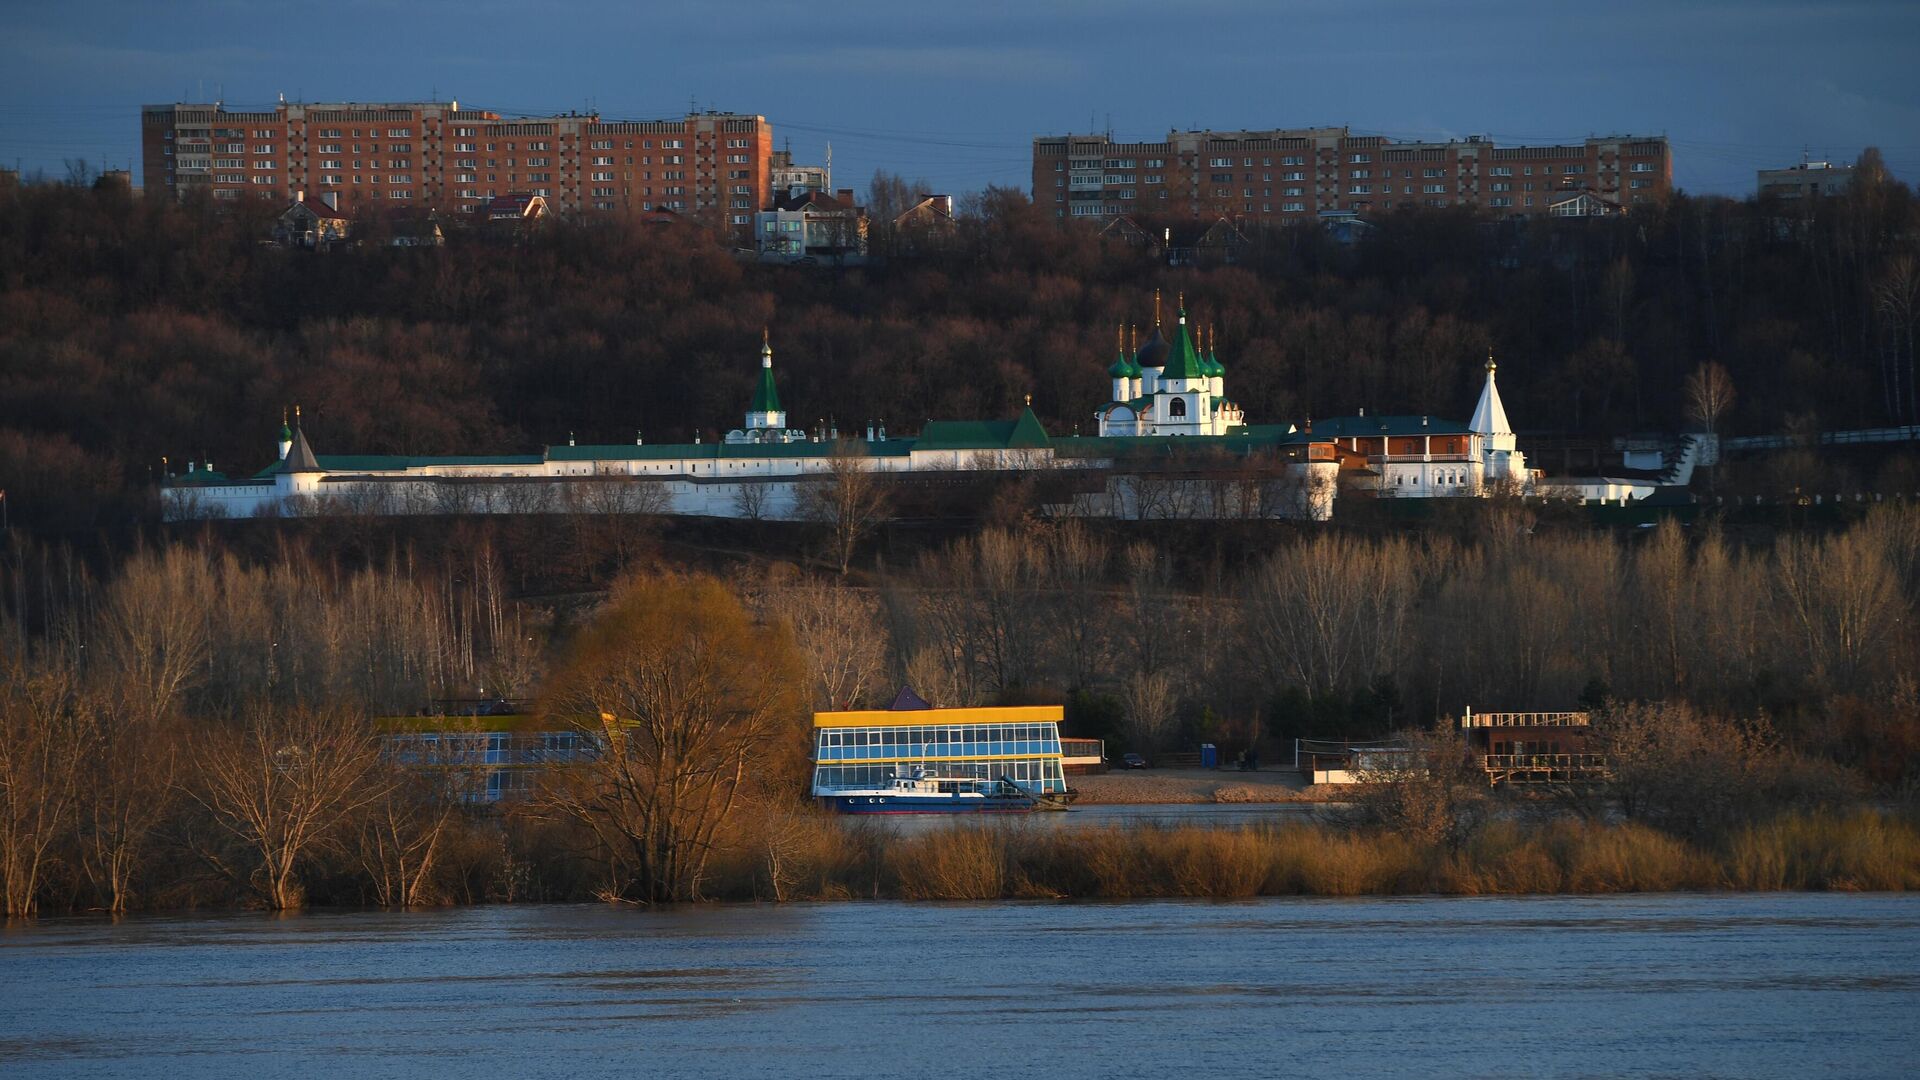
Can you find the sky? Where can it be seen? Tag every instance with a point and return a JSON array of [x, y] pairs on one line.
[[953, 93]]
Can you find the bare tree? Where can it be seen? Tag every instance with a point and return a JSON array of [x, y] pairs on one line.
[[1710, 395], [1429, 791], [280, 787], [839, 630], [154, 628], [848, 498], [400, 834], [45, 742], [1148, 699]]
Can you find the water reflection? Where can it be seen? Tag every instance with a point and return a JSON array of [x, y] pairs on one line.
[[1775, 985]]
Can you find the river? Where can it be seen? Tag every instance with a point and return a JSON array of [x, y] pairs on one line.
[[1671, 986]]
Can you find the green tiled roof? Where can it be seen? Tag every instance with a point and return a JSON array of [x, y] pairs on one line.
[[1182, 361], [765, 398], [1024, 433]]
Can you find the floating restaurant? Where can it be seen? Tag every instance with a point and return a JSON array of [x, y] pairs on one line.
[[869, 748]]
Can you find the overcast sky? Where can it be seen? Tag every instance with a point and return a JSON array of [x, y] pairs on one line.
[[954, 92]]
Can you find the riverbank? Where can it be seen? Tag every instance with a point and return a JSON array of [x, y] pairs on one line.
[[1861, 852], [1189, 786]]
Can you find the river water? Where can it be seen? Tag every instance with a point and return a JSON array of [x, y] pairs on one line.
[[1668, 986]]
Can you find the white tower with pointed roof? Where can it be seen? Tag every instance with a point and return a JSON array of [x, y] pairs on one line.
[[1499, 454]]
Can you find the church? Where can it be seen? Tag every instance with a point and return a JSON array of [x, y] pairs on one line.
[[1168, 388]]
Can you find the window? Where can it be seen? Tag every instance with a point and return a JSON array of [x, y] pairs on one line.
[[1360, 159], [1642, 166], [1294, 176], [738, 144], [399, 133], [1294, 191], [1155, 178], [1360, 174], [263, 148], [1430, 173], [1360, 189], [1177, 407], [330, 164], [1637, 183], [1220, 163], [400, 193], [602, 176], [673, 144], [1293, 159], [538, 162], [1501, 170], [1499, 187], [737, 159], [263, 164], [234, 148], [465, 132]]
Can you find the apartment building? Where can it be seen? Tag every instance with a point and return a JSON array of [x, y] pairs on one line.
[[1805, 180], [436, 154], [1297, 174]]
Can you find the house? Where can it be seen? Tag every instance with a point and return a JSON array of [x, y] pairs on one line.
[[1344, 227], [514, 207], [1581, 203], [313, 223], [411, 228], [811, 224], [1216, 243], [1532, 747]]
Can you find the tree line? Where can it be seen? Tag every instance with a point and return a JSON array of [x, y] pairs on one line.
[[198, 725], [137, 328]]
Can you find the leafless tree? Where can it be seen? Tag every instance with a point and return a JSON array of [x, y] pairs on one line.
[[279, 787], [1148, 700], [45, 743], [838, 629], [154, 627], [848, 497], [1429, 792]]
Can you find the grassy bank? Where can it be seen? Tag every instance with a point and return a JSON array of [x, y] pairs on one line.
[[830, 859]]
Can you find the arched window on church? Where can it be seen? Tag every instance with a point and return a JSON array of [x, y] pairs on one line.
[[1178, 407]]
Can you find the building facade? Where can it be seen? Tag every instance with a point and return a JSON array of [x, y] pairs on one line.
[[868, 747], [1807, 180], [1295, 175], [435, 154]]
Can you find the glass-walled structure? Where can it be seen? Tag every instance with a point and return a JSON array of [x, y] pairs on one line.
[[867, 748], [492, 758]]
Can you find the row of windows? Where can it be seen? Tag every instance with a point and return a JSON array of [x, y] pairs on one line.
[[1045, 738], [1045, 774]]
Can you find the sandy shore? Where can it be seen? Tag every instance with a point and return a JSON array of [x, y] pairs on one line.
[[1194, 786]]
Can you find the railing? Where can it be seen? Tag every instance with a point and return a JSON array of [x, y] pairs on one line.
[[1526, 719], [1544, 768]]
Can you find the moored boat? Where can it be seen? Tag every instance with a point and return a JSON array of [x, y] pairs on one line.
[[922, 793]]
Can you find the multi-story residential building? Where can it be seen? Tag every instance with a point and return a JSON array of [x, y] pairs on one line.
[[1294, 175], [1809, 178], [436, 154]]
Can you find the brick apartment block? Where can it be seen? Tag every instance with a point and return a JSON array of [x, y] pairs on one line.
[[1293, 175], [434, 154]]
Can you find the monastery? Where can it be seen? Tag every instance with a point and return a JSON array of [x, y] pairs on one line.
[[1171, 444]]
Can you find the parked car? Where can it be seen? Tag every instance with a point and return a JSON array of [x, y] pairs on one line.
[[1133, 761]]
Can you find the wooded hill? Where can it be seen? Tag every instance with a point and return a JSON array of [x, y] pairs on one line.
[[134, 328]]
